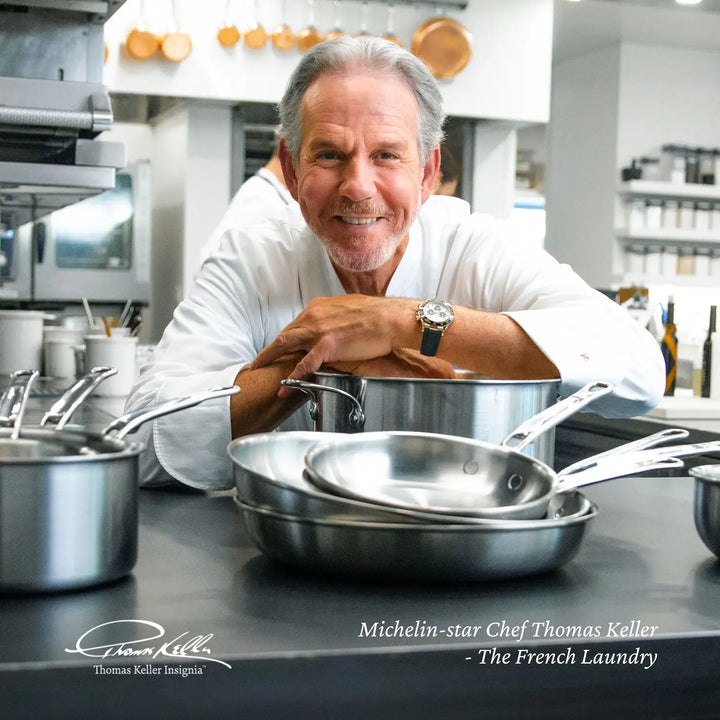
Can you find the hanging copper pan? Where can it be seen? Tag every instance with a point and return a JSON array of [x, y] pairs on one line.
[[140, 43], [443, 44], [176, 46]]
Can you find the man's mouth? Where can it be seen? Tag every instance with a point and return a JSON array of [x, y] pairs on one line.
[[358, 220]]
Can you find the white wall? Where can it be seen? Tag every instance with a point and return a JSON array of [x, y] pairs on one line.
[[580, 177], [609, 106]]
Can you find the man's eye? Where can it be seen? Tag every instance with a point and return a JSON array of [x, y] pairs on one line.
[[387, 155], [327, 155]]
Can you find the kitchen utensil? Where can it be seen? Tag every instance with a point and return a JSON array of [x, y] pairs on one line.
[[22, 339], [337, 30], [389, 33], [471, 407], [228, 35], [269, 473], [443, 44], [256, 36], [309, 35], [706, 510], [66, 405], [14, 400], [115, 351], [282, 36], [175, 45], [455, 476], [396, 551], [68, 516], [140, 43]]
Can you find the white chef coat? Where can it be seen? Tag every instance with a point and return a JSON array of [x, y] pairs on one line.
[[260, 197], [261, 278]]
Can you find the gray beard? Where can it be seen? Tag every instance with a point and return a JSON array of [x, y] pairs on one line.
[[354, 261]]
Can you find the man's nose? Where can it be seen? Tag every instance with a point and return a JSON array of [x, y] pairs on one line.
[[358, 180]]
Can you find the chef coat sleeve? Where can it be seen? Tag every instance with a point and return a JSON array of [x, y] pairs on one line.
[[585, 334], [212, 335]]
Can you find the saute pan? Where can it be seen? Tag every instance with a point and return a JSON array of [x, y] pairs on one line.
[[455, 476], [435, 552], [69, 502], [268, 468]]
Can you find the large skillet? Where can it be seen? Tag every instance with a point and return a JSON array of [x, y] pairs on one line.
[[455, 476]]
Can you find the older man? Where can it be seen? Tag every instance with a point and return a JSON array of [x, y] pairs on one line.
[[361, 124]]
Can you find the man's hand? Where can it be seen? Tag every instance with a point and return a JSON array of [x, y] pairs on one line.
[[347, 328], [403, 362]]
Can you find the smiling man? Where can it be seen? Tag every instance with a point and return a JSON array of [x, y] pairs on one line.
[[383, 280]]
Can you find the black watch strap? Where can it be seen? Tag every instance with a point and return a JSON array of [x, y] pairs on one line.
[[430, 341]]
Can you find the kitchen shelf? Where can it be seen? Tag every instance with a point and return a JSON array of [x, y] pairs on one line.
[[683, 237], [688, 191]]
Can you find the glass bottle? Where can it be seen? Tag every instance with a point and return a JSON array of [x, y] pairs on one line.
[[669, 348], [707, 354]]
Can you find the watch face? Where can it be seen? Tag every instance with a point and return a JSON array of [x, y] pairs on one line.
[[438, 312]]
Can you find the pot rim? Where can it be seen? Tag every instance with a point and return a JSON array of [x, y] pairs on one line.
[[707, 473], [126, 449], [469, 380], [443, 528]]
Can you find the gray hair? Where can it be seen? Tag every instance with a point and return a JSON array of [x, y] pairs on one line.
[[333, 56]]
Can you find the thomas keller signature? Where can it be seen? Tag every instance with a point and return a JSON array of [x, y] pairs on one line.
[[179, 648]]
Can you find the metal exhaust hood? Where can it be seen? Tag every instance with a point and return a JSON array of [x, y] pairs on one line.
[[52, 106]]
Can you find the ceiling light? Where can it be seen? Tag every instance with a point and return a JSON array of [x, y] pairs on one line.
[[688, 2]]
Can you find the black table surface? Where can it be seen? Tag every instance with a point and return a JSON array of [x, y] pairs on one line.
[[635, 617]]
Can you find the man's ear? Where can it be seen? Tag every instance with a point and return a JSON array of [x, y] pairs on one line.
[[431, 174], [288, 169]]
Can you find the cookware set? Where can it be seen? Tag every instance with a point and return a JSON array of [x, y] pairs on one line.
[[408, 504], [394, 503]]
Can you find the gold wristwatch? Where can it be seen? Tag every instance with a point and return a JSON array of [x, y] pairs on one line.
[[435, 317]]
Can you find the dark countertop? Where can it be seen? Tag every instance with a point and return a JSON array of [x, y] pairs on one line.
[[292, 639], [640, 565]]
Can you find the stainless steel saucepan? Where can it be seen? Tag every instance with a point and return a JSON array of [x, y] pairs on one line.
[[69, 501], [455, 476]]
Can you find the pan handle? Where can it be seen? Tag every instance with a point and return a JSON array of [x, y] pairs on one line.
[[357, 416], [642, 444], [132, 420], [618, 466], [555, 414], [14, 400], [63, 408]]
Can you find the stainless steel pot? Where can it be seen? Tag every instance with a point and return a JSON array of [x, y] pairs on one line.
[[476, 408], [69, 502], [707, 505], [434, 552]]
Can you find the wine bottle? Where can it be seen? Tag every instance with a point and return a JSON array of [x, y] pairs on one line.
[[707, 354], [669, 348]]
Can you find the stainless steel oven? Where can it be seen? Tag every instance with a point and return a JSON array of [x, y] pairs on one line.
[[98, 248]]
